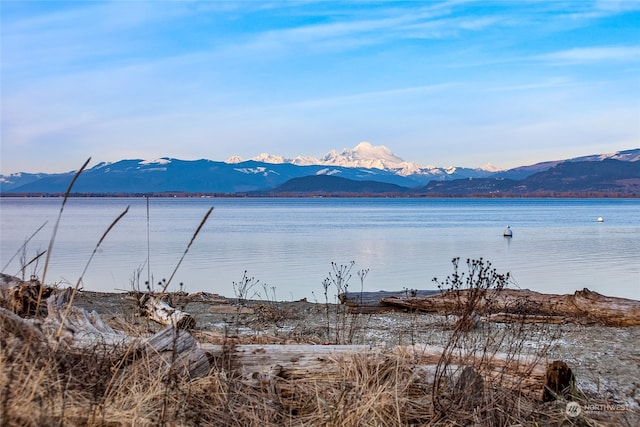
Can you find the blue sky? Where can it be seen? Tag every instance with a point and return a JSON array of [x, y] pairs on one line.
[[459, 83]]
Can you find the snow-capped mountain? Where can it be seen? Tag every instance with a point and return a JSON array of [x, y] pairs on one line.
[[369, 156], [521, 172], [164, 175], [365, 155], [265, 172], [625, 156]]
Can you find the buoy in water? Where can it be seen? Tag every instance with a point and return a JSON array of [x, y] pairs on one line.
[[600, 219], [507, 232]]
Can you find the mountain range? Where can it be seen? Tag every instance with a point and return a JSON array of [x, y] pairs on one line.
[[363, 170]]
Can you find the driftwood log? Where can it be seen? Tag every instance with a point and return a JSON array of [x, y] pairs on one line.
[[373, 301], [76, 330], [289, 361], [509, 305], [174, 349], [25, 298], [161, 312], [264, 364]]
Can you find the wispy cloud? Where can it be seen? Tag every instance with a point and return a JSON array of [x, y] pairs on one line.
[[390, 95], [599, 9], [592, 54], [352, 28]]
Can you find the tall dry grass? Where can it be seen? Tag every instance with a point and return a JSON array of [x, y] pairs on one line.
[[46, 385]]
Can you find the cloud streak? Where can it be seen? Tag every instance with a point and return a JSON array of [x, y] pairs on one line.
[[593, 54]]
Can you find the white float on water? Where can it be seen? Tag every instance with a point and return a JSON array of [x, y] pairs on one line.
[[507, 232], [600, 219]]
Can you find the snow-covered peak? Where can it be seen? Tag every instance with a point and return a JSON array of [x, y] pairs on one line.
[[160, 161], [366, 155], [491, 168], [304, 161], [365, 151], [270, 158], [363, 155], [626, 155], [102, 165], [234, 159], [275, 159]]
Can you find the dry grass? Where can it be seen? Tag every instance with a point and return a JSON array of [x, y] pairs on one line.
[[42, 386]]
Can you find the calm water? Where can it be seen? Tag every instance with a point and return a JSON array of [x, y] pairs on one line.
[[289, 244]]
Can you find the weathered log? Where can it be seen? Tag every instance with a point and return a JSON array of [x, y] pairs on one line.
[[22, 297], [608, 310], [525, 375], [77, 330], [296, 361], [176, 350], [171, 348], [161, 312], [372, 301], [22, 329], [583, 306]]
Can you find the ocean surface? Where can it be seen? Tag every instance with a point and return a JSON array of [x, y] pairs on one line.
[[288, 245]]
